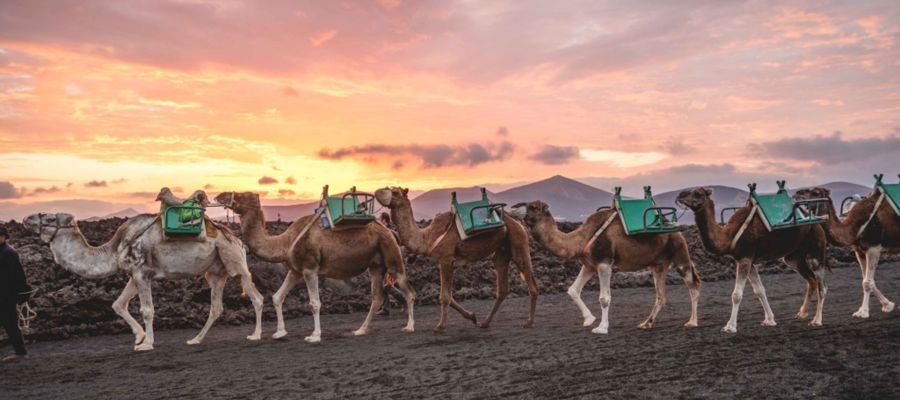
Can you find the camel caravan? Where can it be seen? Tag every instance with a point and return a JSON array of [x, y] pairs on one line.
[[343, 239]]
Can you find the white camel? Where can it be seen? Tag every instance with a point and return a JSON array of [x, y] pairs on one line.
[[138, 249]]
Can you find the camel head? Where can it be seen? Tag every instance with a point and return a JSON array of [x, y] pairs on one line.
[[694, 198], [391, 197], [47, 225], [535, 211], [812, 193], [239, 202]]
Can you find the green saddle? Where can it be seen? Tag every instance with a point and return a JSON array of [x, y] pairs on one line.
[[478, 216], [891, 192], [641, 216], [352, 209], [780, 211], [186, 219]]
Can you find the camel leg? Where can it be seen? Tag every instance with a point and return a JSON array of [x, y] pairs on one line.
[[605, 273], [760, 291], [469, 315], [692, 281], [256, 299], [147, 311], [312, 286], [821, 290], [659, 283], [743, 270], [872, 257], [501, 267], [376, 276], [393, 260], [290, 280], [575, 293], [523, 263], [446, 296], [120, 306], [811, 285], [216, 287], [410, 295]]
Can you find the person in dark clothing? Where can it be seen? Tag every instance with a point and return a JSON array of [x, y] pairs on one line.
[[13, 289]]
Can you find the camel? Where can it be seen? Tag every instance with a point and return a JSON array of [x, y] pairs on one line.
[[138, 249], [869, 231], [441, 242], [310, 251], [802, 249], [614, 247]]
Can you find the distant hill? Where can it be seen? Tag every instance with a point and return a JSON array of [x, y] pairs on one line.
[[723, 196], [291, 212], [568, 198], [126, 213]]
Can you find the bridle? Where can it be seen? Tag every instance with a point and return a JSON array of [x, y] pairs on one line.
[[57, 226]]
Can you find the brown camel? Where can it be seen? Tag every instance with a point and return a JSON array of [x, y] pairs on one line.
[[802, 249], [337, 254], [441, 242], [869, 231], [614, 247]]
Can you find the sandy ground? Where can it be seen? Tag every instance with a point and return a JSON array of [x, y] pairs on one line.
[[846, 358]]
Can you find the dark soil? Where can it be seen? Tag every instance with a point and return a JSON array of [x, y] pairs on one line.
[[847, 358]]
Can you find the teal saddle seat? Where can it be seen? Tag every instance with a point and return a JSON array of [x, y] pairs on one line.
[[779, 210], [352, 209], [640, 216], [186, 219], [891, 192], [478, 216]]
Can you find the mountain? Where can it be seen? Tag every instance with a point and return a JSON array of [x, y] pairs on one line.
[[126, 213], [289, 213], [568, 198], [432, 202], [723, 196]]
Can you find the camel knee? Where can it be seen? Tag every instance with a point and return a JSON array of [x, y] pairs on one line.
[[868, 286], [736, 297], [759, 290], [315, 305], [119, 307], [147, 312], [604, 301], [445, 299]]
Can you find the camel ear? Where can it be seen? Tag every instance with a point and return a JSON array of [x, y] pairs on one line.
[[708, 192], [405, 192], [519, 205], [64, 219], [546, 208]]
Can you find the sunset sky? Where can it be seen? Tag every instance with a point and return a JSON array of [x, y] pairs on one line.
[[104, 102]]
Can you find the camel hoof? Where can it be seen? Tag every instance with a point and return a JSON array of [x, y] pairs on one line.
[[802, 315], [768, 322], [861, 313], [528, 324], [729, 329], [471, 317], [815, 323], [139, 338], [645, 325], [408, 329], [690, 324], [888, 307], [484, 325], [360, 332], [602, 330], [438, 329], [255, 337], [313, 338], [589, 321], [193, 341], [143, 347], [279, 334]]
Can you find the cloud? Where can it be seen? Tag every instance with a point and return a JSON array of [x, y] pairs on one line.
[[208, 186], [43, 190], [9, 191], [96, 184], [286, 192], [555, 155], [290, 92], [118, 181], [832, 149], [502, 131], [431, 156], [290, 180], [675, 145], [267, 180], [695, 169]]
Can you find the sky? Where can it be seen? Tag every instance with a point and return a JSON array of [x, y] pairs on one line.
[[104, 102]]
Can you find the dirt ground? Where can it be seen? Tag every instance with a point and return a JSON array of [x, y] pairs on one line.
[[846, 358]]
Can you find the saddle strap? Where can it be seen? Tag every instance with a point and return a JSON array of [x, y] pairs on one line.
[[744, 226], [438, 240], [587, 246], [871, 216], [309, 225]]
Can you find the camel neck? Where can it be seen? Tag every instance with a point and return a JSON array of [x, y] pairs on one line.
[[411, 236], [267, 247], [712, 235], [561, 244], [844, 232], [72, 252]]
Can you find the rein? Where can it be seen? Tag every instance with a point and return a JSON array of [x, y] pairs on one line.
[[57, 226]]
